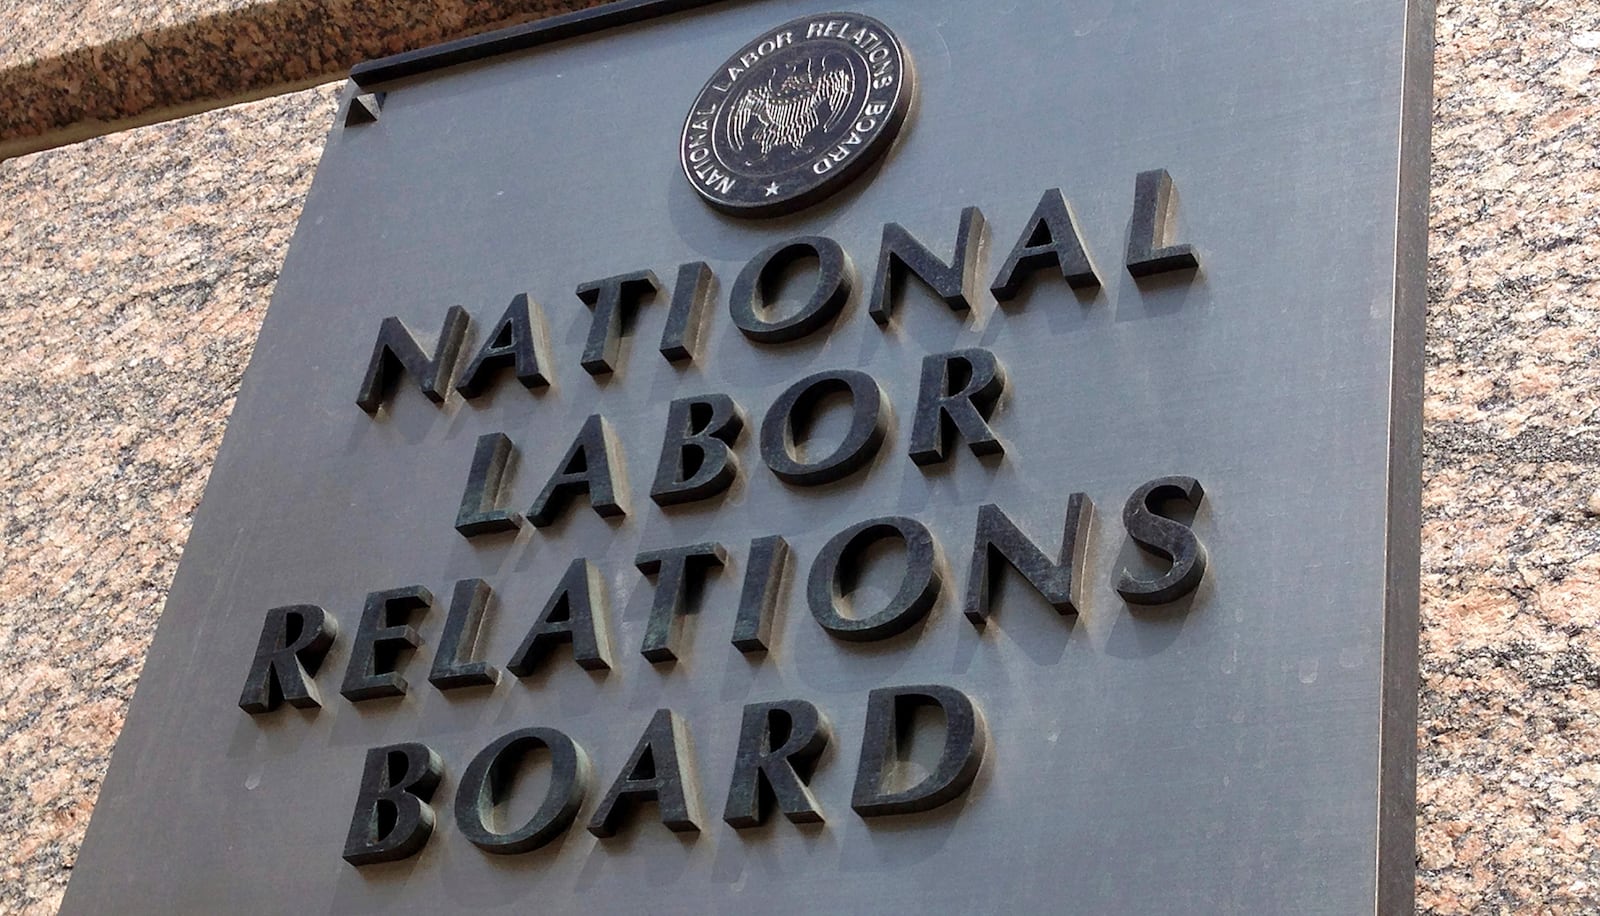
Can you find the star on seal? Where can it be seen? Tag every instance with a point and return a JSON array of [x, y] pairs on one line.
[[796, 114]]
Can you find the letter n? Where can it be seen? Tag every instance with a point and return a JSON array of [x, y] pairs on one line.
[[999, 538], [397, 351]]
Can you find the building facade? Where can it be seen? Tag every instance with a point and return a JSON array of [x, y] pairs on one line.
[[136, 265]]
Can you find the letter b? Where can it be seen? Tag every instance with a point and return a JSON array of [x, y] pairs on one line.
[[697, 461], [393, 820]]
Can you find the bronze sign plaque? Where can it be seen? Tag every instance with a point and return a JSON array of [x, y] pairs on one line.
[[1020, 516]]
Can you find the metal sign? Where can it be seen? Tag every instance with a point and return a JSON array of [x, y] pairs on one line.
[[951, 459]]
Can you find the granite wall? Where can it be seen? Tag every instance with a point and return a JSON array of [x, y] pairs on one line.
[[135, 269], [1508, 788], [134, 273]]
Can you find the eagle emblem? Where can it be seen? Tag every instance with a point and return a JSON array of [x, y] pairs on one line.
[[797, 113], [791, 103]]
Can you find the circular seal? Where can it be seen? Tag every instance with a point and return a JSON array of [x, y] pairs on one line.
[[796, 114]]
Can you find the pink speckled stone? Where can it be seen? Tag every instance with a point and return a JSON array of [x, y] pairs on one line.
[[134, 272], [64, 77], [34, 29], [1509, 772]]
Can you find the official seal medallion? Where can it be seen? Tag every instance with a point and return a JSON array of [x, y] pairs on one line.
[[796, 114]]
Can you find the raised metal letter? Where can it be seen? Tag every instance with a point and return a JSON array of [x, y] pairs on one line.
[[888, 716], [397, 351], [834, 571], [755, 285], [959, 392], [613, 301], [518, 340], [380, 639], [294, 640], [1051, 240], [678, 572], [488, 778], [1168, 539], [575, 614], [393, 820], [686, 317], [763, 589], [790, 415], [586, 468], [764, 773], [900, 252], [658, 770], [480, 511], [453, 664], [1148, 251], [999, 538], [697, 460]]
